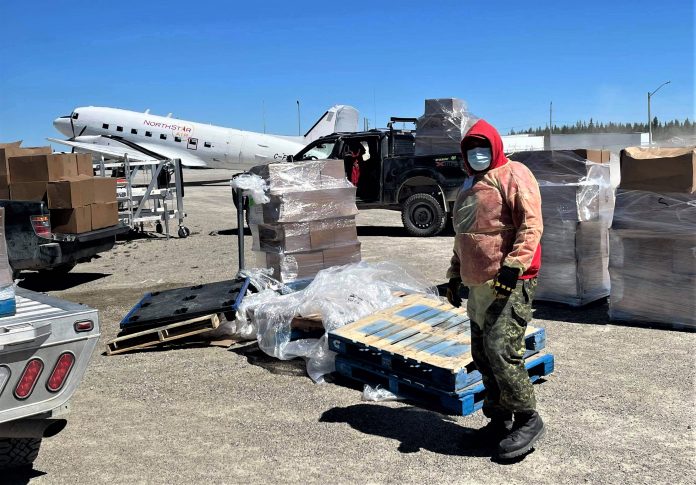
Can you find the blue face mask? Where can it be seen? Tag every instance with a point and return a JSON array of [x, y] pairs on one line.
[[479, 158]]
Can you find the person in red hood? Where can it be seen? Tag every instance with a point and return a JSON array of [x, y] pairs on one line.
[[497, 255]]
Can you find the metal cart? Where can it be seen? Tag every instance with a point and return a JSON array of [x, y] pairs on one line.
[[149, 192]]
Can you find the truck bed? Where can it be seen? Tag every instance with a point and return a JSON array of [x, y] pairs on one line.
[[43, 328]]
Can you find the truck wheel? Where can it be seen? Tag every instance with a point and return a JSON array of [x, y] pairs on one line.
[[423, 215], [18, 452]]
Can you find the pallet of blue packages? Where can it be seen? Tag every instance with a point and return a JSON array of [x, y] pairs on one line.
[[462, 403], [422, 339]]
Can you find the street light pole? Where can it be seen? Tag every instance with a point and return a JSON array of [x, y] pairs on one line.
[[299, 131], [650, 95]]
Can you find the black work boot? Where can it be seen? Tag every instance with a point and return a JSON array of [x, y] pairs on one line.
[[528, 428], [497, 428]]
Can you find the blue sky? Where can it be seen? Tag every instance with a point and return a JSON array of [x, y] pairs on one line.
[[220, 62]]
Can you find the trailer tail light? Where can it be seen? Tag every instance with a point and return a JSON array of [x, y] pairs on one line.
[[84, 326], [60, 372], [4, 377], [42, 226], [26, 383]]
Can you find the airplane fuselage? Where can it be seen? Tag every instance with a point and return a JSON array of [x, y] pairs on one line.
[[196, 144]]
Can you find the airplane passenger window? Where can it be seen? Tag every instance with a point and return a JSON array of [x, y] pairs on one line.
[[177, 139], [207, 144], [119, 128], [148, 133], [105, 126], [163, 136], [134, 131]]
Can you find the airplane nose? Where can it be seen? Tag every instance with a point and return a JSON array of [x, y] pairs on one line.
[[62, 124]]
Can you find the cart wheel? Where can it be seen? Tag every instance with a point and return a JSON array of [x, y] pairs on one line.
[[158, 228], [184, 232]]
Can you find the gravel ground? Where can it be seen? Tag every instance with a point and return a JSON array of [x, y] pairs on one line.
[[619, 407]]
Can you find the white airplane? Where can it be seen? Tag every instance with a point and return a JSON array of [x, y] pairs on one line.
[[113, 133]]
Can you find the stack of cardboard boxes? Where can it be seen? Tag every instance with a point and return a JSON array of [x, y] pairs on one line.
[[653, 237], [577, 202], [442, 126], [309, 222], [78, 201]]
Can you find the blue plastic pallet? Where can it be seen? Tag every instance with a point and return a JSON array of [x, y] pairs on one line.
[[180, 304], [422, 339], [462, 403]]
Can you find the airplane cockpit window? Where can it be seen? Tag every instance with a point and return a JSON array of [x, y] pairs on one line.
[[119, 128], [75, 116], [134, 131], [105, 126], [207, 144], [163, 136], [319, 151], [148, 133], [177, 139]]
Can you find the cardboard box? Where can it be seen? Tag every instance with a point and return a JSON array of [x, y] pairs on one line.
[[662, 213], [341, 255], [596, 156], [42, 168], [11, 150], [104, 215], [315, 174], [71, 192], [333, 232], [28, 191], [71, 221], [295, 237], [305, 206], [104, 189], [84, 164], [659, 169]]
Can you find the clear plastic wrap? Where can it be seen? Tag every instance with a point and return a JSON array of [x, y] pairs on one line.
[[443, 125], [338, 296], [304, 236], [288, 267], [308, 224], [252, 185], [577, 203], [378, 394], [653, 258]]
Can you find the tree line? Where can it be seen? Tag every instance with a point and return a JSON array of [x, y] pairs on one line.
[[661, 129]]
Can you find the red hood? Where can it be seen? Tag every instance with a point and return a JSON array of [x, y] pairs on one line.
[[482, 129]]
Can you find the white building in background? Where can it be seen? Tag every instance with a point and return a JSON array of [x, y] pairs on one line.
[[522, 143], [614, 142]]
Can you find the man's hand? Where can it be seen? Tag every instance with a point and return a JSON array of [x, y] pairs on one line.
[[505, 281], [453, 292]]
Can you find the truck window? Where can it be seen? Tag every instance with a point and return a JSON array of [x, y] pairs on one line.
[[319, 151], [404, 145]]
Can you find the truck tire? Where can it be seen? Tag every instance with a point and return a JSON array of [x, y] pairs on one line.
[[18, 452], [423, 215]]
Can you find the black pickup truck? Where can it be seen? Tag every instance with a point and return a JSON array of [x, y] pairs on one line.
[[32, 246], [423, 188]]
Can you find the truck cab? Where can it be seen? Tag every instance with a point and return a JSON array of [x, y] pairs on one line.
[[392, 177]]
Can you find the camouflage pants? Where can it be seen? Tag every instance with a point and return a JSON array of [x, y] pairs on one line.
[[497, 346]]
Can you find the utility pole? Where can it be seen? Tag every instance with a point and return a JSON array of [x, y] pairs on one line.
[[650, 95], [299, 131], [550, 122]]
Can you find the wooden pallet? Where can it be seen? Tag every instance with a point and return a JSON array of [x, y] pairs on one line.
[[160, 335], [462, 403], [422, 339]]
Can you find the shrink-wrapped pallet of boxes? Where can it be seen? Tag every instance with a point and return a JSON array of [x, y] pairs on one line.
[[577, 203], [308, 223], [653, 238], [441, 128]]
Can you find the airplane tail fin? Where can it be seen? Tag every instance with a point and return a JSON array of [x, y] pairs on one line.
[[339, 118]]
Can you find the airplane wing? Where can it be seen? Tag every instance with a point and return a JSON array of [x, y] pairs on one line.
[[135, 152]]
